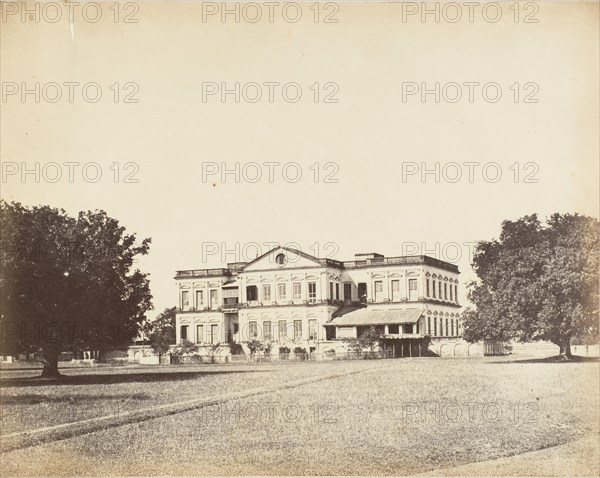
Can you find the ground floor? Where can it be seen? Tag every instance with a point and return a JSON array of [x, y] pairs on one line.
[[321, 328]]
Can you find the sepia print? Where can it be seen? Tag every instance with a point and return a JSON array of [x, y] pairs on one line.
[[299, 238]]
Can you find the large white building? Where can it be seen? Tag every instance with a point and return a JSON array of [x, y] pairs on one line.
[[291, 299]]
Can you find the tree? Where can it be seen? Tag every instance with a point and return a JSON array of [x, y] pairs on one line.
[[186, 347], [367, 340], [68, 283], [254, 346], [161, 332], [213, 351], [537, 282]]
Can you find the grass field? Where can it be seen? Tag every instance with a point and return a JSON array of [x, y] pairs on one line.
[[402, 416]]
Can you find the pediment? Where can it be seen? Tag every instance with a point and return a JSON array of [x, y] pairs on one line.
[[283, 259]]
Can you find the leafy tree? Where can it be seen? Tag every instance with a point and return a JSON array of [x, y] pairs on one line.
[[367, 340], [537, 282], [68, 283], [186, 347], [161, 332], [213, 351], [254, 346]]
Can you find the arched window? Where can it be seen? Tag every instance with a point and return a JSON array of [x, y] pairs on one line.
[[280, 259]]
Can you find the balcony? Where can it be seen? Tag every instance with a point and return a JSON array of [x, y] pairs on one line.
[[180, 310], [231, 304], [290, 303]]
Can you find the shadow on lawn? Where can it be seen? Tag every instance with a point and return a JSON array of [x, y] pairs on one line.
[[70, 399], [113, 378], [553, 359]]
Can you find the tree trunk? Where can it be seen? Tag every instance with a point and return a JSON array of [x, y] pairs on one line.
[[565, 349], [568, 353], [50, 360]]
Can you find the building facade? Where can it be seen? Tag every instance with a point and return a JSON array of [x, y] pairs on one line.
[[290, 299]]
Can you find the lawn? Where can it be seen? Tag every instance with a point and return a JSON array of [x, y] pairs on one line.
[[27, 402], [406, 416]]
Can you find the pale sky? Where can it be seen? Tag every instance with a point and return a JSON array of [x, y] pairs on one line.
[[369, 56]]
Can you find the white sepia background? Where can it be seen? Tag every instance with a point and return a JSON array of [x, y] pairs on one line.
[[364, 123]]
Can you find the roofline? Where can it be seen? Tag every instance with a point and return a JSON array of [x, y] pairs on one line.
[[327, 262]]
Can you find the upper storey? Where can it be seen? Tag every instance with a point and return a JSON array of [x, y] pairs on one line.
[[285, 276]]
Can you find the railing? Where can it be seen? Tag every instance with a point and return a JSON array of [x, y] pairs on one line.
[[196, 309], [401, 260], [232, 306], [309, 357], [274, 303], [202, 273]]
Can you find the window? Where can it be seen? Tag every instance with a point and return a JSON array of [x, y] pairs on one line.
[[407, 328], [267, 330], [312, 329], [199, 334], [433, 282], [445, 291], [185, 299], [331, 290], [281, 293], [427, 286], [266, 291], [451, 299], [440, 284], [251, 293], [435, 326], [429, 325], [395, 290], [348, 292], [252, 330], [393, 329], [199, 299], [312, 292], [297, 290], [451, 325], [282, 330], [337, 291], [297, 329], [329, 333], [213, 337], [280, 259], [378, 291], [213, 299], [412, 289], [456, 293], [184, 332], [362, 291], [446, 324]]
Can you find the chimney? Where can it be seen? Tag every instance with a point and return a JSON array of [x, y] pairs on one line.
[[362, 256]]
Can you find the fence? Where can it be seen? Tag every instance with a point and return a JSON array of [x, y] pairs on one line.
[[312, 357], [194, 359]]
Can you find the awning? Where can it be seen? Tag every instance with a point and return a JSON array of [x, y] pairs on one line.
[[230, 284], [378, 317]]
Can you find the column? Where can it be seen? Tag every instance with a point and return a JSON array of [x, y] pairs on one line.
[[386, 287], [403, 287]]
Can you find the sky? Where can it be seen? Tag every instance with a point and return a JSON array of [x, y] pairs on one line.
[[346, 156]]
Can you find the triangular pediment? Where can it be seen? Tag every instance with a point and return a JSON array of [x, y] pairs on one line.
[[282, 258]]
